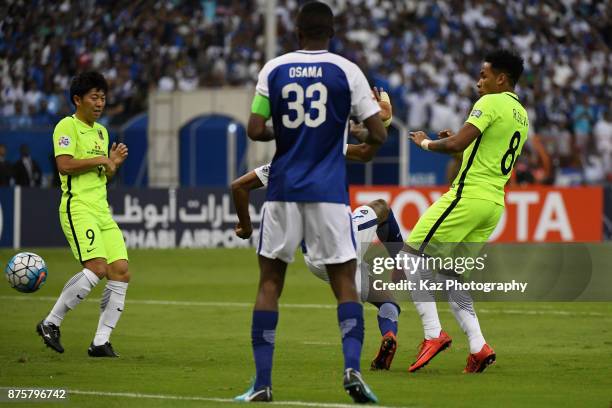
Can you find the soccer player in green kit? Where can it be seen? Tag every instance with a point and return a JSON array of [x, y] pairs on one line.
[[491, 140], [85, 164]]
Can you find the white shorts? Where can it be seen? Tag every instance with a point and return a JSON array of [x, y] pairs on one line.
[[325, 228], [365, 223]]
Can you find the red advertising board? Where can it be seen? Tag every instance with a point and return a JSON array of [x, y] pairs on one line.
[[533, 214]]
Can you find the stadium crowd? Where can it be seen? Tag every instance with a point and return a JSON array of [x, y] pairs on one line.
[[426, 54]]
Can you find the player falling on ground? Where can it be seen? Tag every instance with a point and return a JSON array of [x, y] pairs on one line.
[[85, 165], [491, 140], [309, 94], [373, 219]]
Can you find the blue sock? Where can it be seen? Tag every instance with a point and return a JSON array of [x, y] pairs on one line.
[[263, 331], [388, 232], [350, 318], [388, 314]]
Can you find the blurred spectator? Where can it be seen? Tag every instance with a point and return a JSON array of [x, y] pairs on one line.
[[603, 141], [19, 118], [561, 143], [582, 116], [167, 83], [43, 117], [11, 92], [443, 116], [5, 168], [415, 50], [32, 96], [25, 170]]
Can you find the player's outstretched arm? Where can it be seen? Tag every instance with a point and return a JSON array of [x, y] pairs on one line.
[[241, 187], [68, 165], [362, 152], [257, 129], [448, 143], [377, 134]]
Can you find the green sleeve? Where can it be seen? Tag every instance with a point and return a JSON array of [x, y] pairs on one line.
[[261, 106], [64, 138], [483, 113]]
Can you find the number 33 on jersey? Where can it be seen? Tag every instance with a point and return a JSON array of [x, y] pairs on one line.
[[310, 96]]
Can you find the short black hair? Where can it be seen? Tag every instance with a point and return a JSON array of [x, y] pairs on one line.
[[316, 20], [508, 62], [85, 82]]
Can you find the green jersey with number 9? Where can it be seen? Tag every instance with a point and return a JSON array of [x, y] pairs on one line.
[[489, 160], [75, 138]]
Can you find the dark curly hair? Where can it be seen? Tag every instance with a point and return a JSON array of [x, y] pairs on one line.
[[86, 81], [508, 62]]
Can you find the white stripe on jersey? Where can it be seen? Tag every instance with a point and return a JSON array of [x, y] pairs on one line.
[[362, 104]]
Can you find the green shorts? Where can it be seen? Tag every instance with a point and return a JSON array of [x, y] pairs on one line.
[[93, 234], [451, 221]]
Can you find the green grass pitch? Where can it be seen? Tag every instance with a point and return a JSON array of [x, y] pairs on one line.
[[184, 341]]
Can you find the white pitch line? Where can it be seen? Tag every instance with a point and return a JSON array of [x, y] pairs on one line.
[[211, 399], [544, 312], [306, 306], [181, 302]]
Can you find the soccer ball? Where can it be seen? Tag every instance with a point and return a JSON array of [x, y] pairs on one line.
[[26, 272]]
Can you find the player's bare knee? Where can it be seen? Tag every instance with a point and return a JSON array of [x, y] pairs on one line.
[[97, 266], [119, 271], [381, 208]]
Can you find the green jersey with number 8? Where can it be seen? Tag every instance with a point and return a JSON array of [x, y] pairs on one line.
[[489, 160]]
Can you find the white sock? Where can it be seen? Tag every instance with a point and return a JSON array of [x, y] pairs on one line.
[[75, 290], [429, 317], [111, 306], [425, 302], [462, 306]]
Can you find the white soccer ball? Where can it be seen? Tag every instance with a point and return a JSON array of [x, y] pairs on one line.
[[26, 272]]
